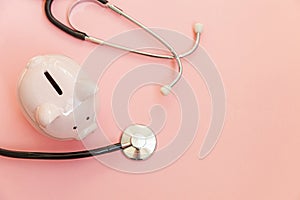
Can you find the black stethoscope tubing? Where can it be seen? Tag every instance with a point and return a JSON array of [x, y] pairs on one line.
[[75, 33], [60, 156]]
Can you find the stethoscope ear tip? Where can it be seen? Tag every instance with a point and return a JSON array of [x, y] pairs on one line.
[[166, 90], [198, 28]]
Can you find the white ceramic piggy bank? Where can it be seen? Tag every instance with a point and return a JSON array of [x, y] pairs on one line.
[[56, 100]]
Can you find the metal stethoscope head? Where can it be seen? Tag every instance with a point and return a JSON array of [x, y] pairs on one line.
[[138, 142], [166, 89]]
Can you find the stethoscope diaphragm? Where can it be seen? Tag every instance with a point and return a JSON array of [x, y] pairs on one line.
[[138, 142]]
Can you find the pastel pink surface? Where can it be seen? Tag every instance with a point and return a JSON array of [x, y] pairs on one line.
[[256, 46]]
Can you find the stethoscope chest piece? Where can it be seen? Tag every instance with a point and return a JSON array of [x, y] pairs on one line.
[[138, 142]]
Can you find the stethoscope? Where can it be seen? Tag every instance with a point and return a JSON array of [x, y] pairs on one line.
[[138, 142]]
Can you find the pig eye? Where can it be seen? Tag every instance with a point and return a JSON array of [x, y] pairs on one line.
[[75, 127], [88, 118]]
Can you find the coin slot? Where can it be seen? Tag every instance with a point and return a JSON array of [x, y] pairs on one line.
[[53, 83]]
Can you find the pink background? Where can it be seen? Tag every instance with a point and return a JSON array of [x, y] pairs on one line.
[[256, 46]]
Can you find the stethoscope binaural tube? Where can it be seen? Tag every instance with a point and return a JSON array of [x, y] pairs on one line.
[[83, 36], [197, 29]]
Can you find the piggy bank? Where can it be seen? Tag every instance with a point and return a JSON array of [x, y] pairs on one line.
[[56, 100]]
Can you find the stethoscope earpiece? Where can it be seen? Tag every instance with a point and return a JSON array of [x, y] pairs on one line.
[[198, 28], [166, 90]]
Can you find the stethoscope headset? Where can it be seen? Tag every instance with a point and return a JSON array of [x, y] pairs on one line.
[[138, 142]]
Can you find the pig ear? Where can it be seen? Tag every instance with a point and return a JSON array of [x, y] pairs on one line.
[[47, 113], [36, 61], [85, 89]]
